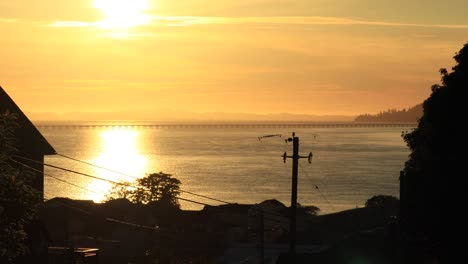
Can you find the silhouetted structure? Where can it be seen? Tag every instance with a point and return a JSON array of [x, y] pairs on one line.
[[29, 141], [29, 144], [432, 181]]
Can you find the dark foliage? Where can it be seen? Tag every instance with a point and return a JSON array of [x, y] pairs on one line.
[[307, 209], [434, 173], [159, 189], [435, 142], [382, 201], [18, 200], [411, 114]]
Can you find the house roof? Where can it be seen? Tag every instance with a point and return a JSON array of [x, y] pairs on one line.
[[29, 139], [229, 208]]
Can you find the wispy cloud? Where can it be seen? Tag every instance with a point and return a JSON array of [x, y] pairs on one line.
[[8, 20], [183, 21], [298, 20], [156, 20], [71, 24], [293, 20]]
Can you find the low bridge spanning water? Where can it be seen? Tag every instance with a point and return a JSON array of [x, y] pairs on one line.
[[229, 125]]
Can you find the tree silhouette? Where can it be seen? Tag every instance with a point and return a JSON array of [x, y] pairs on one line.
[[18, 200], [434, 173], [438, 135], [411, 114], [382, 201], [159, 189], [307, 209]]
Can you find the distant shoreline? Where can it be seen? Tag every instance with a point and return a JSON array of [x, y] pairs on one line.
[[219, 124]]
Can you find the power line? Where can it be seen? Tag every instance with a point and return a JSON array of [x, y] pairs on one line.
[[106, 218], [129, 185], [316, 187], [192, 201], [133, 224], [134, 177], [203, 196], [124, 222], [98, 178], [97, 166], [260, 209], [53, 177], [72, 171], [29, 167], [262, 145]]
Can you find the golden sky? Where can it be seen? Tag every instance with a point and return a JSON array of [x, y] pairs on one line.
[[149, 59]]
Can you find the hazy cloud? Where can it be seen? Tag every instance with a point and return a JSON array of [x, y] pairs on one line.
[[8, 20], [275, 20], [70, 24]]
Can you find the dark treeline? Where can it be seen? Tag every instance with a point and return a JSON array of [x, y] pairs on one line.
[[411, 114], [433, 183]]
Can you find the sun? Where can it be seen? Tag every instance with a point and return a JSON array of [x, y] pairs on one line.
[[123, 14]]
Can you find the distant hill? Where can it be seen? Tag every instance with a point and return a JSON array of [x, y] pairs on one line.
[[168, 115], [393, 115]]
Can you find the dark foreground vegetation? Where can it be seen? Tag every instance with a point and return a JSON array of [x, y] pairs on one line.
[[432, 184]]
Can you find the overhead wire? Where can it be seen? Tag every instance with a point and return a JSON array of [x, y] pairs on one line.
[[120, 221], [125, 222], [106, 218], [94, 165], [316, 187], [98, 178], [303, 171], [128, 185], [53, 177], [131, 176], [134, 177], [72, 171], [125, 184], [263, 147], [315, 135]]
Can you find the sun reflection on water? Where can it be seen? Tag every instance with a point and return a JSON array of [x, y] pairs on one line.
[[120, 152]]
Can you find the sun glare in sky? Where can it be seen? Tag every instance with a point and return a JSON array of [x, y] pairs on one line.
[[123, 14]]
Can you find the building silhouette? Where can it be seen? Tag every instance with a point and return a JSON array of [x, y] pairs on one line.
[[30, 144]]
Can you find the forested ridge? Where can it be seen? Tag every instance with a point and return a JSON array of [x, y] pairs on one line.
[[411, 114]]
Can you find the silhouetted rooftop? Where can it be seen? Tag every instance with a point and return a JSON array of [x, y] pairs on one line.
[[30, 140]]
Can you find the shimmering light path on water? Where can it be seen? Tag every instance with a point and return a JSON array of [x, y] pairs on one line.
[[350, 163]]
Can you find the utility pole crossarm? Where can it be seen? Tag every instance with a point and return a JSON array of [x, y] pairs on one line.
[[309, 157]]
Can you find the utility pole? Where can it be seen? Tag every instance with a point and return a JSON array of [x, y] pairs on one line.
[[292, 224]]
